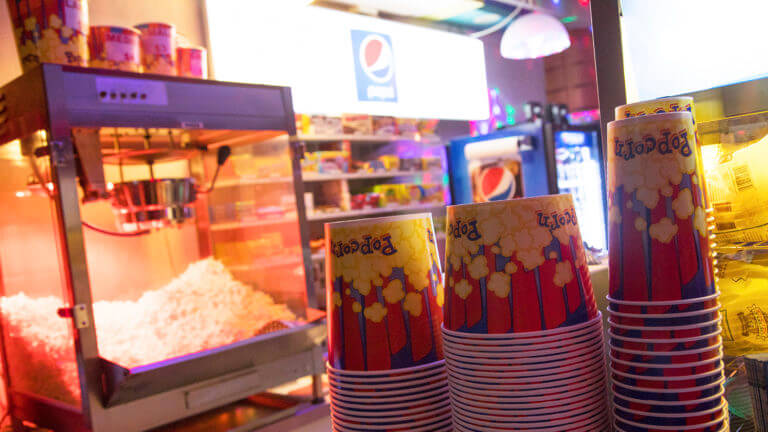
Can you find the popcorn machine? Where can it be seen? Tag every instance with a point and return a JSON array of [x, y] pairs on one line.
[[153, 263]]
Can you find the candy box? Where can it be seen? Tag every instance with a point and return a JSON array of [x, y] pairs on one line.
[[357, 124], [384, 126]]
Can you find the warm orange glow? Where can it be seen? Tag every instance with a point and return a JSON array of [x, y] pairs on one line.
[[709, 156]]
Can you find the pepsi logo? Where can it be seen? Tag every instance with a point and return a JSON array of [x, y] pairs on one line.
[[376, 58], [497, 183]]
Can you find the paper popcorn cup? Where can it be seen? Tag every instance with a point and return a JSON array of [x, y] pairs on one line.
[[703, 421], [516, 266], [115, 48], [366, 408], [660, 348], [158, 48], [436, 420], [522, 350], [658, 235], [665, 331], [625, 425], [673, 307], [382, 294], [588, 425], [670, 408], [666, 319], [388, 377], [667, 105], [529, 356], [191, 62], [50, 31]]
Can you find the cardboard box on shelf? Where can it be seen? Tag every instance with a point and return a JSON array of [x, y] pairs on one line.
[[384, 126], [357, 124]]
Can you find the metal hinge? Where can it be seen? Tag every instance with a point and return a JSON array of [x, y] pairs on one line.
[[79, 313]]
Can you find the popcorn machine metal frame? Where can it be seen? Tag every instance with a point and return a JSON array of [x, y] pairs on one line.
[[56, 99]]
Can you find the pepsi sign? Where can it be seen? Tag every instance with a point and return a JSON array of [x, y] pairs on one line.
[[374, 66]]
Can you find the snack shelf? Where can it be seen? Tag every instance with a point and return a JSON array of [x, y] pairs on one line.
[[266, 262], [246, 181], [365, 138], [364, 176], [375, 211], [225, 226]]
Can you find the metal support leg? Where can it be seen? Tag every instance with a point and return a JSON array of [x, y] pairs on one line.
[[317, 389]]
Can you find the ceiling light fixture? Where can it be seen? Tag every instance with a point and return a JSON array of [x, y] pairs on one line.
[[534, 35]]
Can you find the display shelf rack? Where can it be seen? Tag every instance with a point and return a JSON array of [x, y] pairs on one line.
[[225, 226], [365, 175], [367, 138], [374, 211], [249, 181]]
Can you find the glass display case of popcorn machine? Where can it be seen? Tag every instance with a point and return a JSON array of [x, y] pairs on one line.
[[151, 252]]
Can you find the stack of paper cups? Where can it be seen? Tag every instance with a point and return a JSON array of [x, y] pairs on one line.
[[522, 337], [664, 324], [385, 362]]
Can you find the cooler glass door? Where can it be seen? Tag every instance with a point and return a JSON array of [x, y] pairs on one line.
[[579, 172]]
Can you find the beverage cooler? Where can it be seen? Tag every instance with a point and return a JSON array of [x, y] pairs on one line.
[[532, 159], [730, 109], [579, 168], [153, 256]]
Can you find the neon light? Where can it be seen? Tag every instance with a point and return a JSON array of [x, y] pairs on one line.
[[569, 19]]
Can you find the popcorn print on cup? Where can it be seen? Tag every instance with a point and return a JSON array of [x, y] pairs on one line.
[[658, 239], [516, 266], [383, 283], [50, 31]]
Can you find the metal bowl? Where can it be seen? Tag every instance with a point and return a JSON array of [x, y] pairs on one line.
[[145, 204]]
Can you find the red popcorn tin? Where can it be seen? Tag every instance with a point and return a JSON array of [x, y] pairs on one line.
[[658, 235], [115, 48], [382, 293], [516, 266], [50, 31], [158, 48], [191, 62]]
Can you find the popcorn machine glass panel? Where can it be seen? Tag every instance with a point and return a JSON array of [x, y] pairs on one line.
[[39, 352], [229, 270]]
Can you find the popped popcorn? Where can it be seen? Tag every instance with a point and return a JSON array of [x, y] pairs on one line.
[[202, 308]]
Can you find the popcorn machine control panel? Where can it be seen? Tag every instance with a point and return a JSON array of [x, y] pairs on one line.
[[131, 91]]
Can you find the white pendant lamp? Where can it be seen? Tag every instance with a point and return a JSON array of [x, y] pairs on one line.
[[534, 35]]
